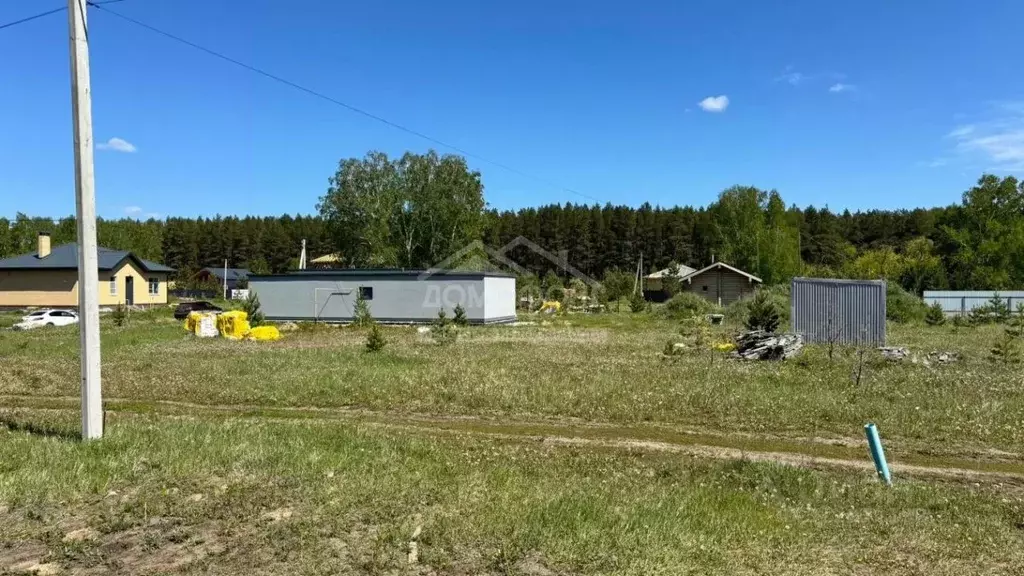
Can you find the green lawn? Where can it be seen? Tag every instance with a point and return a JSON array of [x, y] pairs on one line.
[[251, 495], [604, 369], [311, 456]]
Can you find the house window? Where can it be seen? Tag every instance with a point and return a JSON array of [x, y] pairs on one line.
[[705, 288], [154, 286], [366, 292], [113, 285]]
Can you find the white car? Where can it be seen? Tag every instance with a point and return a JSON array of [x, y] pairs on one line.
[[47, 318]]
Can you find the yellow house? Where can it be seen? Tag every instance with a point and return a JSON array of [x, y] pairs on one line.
[[49, 278]]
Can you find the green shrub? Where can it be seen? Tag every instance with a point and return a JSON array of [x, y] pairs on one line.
[[375, 341], [738, 311], [556, 294], [1017, 322], [696, 332], [962, 321], [995, 310], [361, 314], [637, 303], [552, 279], [119, 314], [671, 349], [251, 307], [532, 296], [686, 305], [763, 313], [1006, 349], [935, 316], [902, 306], [459, 317], [443, 331]]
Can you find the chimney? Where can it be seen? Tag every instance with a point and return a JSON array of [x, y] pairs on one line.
[[44, 244]]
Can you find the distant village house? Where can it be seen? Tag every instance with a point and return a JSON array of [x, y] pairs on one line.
[[720, 283], [49, 278]]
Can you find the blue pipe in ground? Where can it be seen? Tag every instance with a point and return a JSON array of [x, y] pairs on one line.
[[878, 454]]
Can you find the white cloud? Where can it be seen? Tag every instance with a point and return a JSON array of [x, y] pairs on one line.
[[961, 131], [117, 145], [840, 87], [936, 163], [998, 141], [714, 103], [136, 213], [792, 78]]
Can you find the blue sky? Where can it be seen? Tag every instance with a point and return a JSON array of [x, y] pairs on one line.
[[867, 105]]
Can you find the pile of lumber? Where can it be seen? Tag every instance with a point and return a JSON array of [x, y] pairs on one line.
[[761, 345]]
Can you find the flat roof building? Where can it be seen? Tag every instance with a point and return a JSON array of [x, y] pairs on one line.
[[393, 296]]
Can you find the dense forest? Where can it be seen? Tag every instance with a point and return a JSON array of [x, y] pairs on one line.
[[978, 244]]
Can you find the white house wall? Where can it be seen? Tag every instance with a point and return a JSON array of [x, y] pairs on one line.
[[396, 299], [500, 298]]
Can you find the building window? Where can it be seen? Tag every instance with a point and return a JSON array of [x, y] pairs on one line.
[[113, 285], [705, 288], [366, 292], [154, 286]]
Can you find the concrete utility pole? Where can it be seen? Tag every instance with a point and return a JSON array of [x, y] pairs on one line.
[[85, 200]]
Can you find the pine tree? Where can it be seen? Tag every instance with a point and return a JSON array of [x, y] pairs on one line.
[[1017, 322], [935, 316], [763, 313], [443, 331], [999, 308], [251, 307], [1006, 350], [459, 316], [637, 303], [119, 315], [361, 314], [375, 341]]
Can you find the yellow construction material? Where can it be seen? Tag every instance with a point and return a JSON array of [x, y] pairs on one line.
[[233, 325], [263, 334], [190, 322], [551, 307], [201, 324]]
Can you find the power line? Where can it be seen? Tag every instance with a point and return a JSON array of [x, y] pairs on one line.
[[337, 102], [54, 11], [30, 18]]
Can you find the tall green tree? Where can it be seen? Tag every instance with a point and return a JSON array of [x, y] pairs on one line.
[[412, 212], [984, 239], [752, 231], [922, 267]]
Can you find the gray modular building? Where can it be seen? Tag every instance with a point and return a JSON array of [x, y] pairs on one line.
[[841, 311], [393, 296], [963, 301]]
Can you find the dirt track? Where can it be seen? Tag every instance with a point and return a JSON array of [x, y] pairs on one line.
[[1004, 469]]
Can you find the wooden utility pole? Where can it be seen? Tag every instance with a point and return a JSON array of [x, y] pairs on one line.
[[85, 200]]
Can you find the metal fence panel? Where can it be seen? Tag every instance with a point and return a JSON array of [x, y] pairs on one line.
[[963, 301], [843, 311]]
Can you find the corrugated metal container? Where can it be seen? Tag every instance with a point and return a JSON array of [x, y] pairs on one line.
[[393, 296], [843, 311], [963, 301]]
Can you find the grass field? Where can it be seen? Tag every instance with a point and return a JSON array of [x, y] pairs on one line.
[[567, 448]]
